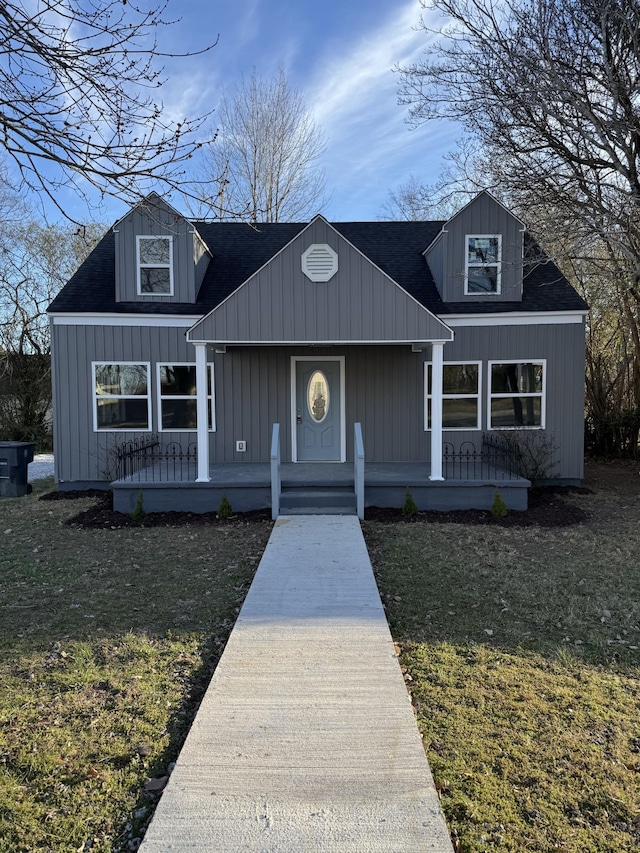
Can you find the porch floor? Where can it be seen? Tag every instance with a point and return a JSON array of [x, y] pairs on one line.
[[248, 486]]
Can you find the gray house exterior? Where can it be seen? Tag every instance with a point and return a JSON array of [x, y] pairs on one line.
[[432, 336]]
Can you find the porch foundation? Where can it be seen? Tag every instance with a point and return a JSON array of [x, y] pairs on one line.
[[248, 487]]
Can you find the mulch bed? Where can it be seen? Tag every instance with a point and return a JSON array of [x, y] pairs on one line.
[[547, 508]]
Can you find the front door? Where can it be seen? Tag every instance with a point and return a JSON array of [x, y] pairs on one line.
[[318, 412]]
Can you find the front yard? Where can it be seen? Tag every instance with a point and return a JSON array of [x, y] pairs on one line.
[[521, 646], [520, 643]]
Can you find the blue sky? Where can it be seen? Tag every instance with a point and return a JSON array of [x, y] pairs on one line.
[[340, 55]]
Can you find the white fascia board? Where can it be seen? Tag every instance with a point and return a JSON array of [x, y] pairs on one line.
[[166, 321], [438, 236], [331, 343], [517, 318]]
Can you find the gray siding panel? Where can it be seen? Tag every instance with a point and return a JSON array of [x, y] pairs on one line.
[[563, 348], [383, 390], [190, 258], [484, 215], [81, 453], [280, 304]]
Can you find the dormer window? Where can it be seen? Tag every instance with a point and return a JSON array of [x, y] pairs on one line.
[[482, 263], [155, 266]]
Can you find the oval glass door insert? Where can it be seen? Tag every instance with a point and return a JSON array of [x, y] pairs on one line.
[[318, 396]]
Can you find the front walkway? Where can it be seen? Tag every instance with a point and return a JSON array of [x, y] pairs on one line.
[[306, 739]]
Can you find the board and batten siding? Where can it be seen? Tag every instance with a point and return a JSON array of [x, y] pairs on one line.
[[446, 257], [190, 255], [279, 304], [563, 349], [82, 454], [384, 391]]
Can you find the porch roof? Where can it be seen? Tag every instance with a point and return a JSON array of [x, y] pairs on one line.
[[280, 304]]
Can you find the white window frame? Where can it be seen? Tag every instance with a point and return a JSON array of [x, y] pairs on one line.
[[502, 396], [477, 396], [140, 266], [467, 265], [210, 397], [96, 397]]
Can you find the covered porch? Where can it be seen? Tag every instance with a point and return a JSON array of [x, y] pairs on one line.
[[167, 479]]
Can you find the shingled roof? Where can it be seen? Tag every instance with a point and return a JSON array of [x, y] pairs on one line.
[[239, 250]]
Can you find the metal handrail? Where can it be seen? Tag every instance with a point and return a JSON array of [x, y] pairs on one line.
[[358, 465], [275, 472]]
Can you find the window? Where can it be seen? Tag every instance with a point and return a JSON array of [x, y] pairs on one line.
[[460, 395], [121, 396], [483, 264], [155, 266], [516, 394], [177, 402]]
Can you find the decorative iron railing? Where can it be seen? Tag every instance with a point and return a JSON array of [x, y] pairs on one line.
[[146, 460], [496, 460]]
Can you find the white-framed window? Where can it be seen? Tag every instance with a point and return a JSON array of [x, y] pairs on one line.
[[517, 394], [121, 396], [461, 390], [177, 400], [483, 263], [155, 266]]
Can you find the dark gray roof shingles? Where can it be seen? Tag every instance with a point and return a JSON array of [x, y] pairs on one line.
[[239, 250]]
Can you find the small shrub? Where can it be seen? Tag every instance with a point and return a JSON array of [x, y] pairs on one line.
[[498, 507], [138, 513], [224, 510], [536, 453], [409, 507]]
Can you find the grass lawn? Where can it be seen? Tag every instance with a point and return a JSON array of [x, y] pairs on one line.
[[521, 648], [107, 641]]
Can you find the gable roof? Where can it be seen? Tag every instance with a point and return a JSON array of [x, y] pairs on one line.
[[239, 250], [358, 303]]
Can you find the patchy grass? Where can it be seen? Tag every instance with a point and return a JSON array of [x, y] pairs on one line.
[[521, 648], [107, 641]]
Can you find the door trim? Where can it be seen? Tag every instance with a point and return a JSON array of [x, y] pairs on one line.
[[294, 433]]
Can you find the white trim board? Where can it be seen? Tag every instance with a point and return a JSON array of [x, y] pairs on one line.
[[518, 318], [146, 320]]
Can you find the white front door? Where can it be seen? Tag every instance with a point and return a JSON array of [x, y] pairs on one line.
[[318, 405]]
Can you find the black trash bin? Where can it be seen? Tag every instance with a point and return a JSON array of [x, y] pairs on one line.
[[14, 467]]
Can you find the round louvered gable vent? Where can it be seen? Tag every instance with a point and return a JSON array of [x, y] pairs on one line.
[[319, 262]]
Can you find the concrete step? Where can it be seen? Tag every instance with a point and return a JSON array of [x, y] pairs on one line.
[[319, 510], [317, 502]]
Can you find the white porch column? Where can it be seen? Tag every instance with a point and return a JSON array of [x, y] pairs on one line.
[[436, 411], [202, 386]]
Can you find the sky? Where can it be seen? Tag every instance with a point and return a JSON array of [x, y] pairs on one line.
[[340, 54]]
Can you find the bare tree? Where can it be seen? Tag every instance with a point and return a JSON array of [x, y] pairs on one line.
[[36, 260], [79, 81], [550, 89], [265, 159]]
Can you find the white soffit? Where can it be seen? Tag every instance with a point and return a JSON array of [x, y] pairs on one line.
[[319, 262]]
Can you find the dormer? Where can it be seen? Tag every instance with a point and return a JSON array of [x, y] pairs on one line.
[[160, 257], [478, 254]]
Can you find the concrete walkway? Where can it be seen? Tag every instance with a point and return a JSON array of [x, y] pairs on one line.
[[306, 739]]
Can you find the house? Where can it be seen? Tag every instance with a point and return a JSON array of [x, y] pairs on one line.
[[270, 357]]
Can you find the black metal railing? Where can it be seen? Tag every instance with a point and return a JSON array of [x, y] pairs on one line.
[[146, 460], [495, 460]]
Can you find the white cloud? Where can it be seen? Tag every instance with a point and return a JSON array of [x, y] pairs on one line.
[[354, 98]]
